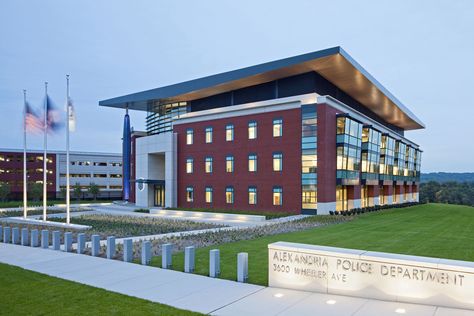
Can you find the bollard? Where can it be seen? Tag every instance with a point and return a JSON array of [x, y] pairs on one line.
[[81, 243], [15, 235], [110, 247], [24, 236], [6, 234], [146, 252], [189, 255], [45, 239], [56, 240], [166, 259], [214, 263], [242, 267], [67, 241], [34, 238], [95, 245], [128, 250]]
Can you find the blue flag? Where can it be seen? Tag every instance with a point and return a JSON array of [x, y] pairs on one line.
[[53, 121]]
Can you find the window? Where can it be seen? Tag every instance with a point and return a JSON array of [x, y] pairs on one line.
[[229, 195], [252, 195], [208, 135], [277, 127], [252, 162], [229, 164], [229, 132], [189, 136], [252, 129], [208, 165], [189, 194], [277, 161], [277, 196], [208, 194], [189, 165]]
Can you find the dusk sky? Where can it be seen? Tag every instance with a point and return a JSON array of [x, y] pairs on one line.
[[421, 51]]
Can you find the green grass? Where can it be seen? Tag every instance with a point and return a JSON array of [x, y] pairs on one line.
[[432, 230], [9, 204], [25, 292], [267, 214]]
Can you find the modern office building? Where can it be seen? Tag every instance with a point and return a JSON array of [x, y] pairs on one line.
[[307, 134], [102, 169]]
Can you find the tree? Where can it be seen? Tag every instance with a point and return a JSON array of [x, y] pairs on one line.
[[36, 190], [63, 193], [77, 191], [94, 190], [4, 191]]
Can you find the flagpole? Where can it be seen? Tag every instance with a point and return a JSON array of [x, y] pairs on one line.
[[45, 166], [25, 199], [68, 218]]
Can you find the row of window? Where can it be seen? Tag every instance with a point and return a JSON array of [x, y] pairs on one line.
[[20, 171], [229, 163], [229, 132], [85, 187], [97, 164], [19, 158], [96, 175], [277, 197]]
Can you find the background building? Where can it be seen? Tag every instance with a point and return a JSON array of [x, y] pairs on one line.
[[102, 169], [312, 133]]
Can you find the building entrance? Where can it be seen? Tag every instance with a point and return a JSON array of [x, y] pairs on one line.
[[160, 195]]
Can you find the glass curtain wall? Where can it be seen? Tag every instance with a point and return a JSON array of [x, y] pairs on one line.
[[399, 161], [161, 116], [387, 153], [309, 157], [371, 139], [349, 145], [417, 165], [409, 172]]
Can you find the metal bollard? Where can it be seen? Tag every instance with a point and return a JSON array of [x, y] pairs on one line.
[[110, 247], [189, 259], [56, 240], [146, 252], [95, 245], [128, 250], [214, 263], [34, 238], [81, 243], [6, 234], [15, 235], [166, 258], [45, 239], [242, 267], [68, 242], [24, 236]]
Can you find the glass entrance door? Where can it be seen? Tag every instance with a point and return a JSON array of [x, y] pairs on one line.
[[159, 195]]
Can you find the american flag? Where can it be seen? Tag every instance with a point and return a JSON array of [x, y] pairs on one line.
[[33, 122], [54, 122]]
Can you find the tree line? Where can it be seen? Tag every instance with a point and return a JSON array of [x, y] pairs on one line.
[[451, 192], [35, 191]]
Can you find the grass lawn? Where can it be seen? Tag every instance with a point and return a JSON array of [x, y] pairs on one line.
[[432, 230], [25, 292], [9, 204]]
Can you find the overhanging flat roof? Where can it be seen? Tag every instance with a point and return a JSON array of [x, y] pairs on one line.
[[334, 64]]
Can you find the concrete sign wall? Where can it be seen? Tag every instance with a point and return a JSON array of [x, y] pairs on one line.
[[368, 274]]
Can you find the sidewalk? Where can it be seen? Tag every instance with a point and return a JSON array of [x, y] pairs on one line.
[[199, 293]]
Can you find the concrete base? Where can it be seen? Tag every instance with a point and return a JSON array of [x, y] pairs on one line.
[[325, 207], [208, 215], [31, 221]]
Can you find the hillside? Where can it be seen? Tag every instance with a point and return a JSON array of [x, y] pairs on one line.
[[447, 176]]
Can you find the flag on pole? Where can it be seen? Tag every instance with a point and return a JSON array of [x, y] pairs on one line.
[[33, 122], [53, 116], [72, 116]]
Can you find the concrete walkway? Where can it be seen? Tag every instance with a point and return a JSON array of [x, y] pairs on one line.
[[199, 293]]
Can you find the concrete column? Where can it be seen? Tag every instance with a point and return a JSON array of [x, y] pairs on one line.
[[68, 241], [128, 250], [56, 240], [45, 239], [34, 238], [110, 247], [242, 267], [146, 252], [166, 257], [24, 236], [214, 263], [81, 243], [15, 235], [189, 259], [6, 234], [95, 245]]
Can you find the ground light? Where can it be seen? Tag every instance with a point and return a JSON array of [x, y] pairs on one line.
[[400, 311], [278, 295], [331, 302]]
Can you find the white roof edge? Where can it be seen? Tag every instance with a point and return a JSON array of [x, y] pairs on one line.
[[15, 150]]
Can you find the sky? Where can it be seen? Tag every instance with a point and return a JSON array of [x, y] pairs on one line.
[[421, 51]]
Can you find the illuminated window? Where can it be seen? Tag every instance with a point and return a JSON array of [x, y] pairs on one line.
[[189, 194], [277, 128], [208, 165], [229, 195], [189, 165], [208, 194], [208, 135], [277, 196], [252, 195], [229, 164], [277, 161], [189, 136], [252, 162], [252, 130], [229, 133]]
